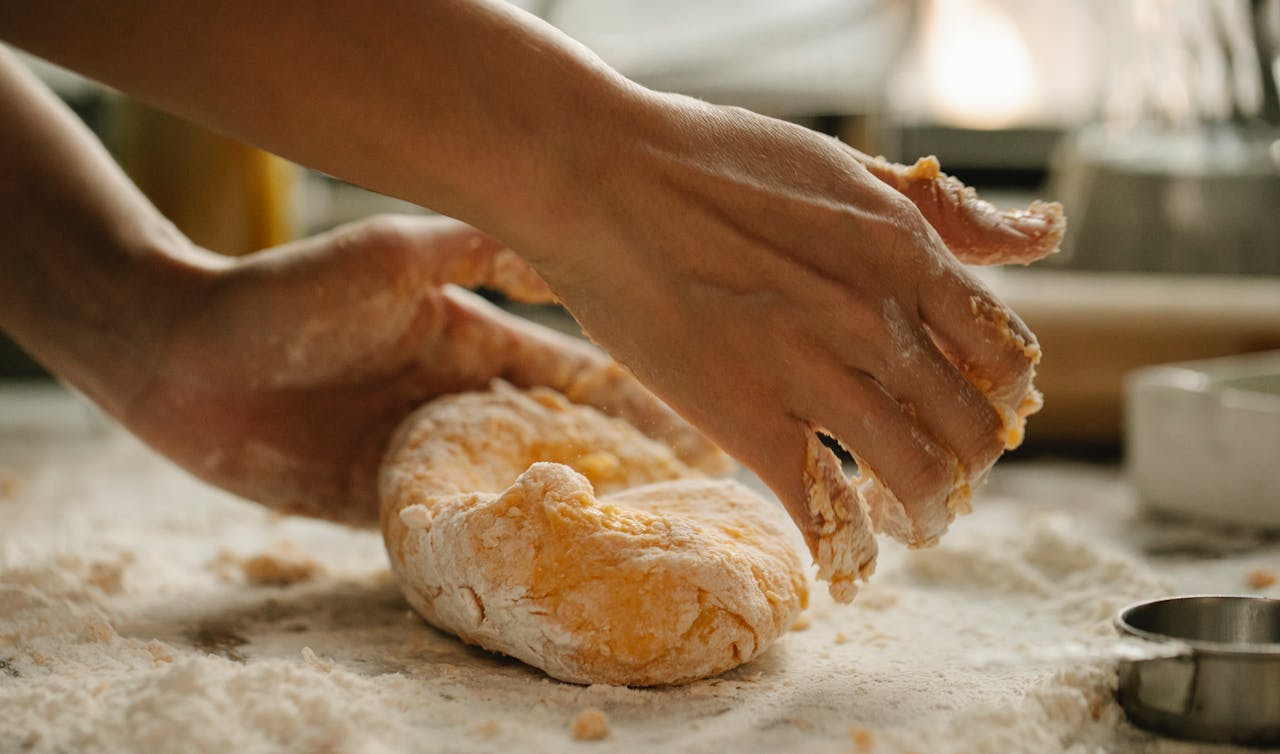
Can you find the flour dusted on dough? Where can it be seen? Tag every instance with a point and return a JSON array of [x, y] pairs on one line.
[[495, 531]]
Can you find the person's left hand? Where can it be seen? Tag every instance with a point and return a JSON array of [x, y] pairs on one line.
[[284, 373]]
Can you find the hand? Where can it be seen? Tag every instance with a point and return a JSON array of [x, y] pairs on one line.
[[283, 374], [757, 276], [767, 285]]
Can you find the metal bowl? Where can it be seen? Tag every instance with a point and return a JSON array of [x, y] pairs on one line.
[[1221, 680], [1184, 201]]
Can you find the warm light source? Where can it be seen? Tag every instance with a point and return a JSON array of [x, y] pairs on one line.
[[978, 68]]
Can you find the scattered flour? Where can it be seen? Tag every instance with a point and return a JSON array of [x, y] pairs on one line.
[[283, 565], [117, 633]]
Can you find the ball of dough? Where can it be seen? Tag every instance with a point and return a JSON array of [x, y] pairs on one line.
[[494, 529]]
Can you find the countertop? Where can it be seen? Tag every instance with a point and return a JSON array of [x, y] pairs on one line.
[[136, 614]]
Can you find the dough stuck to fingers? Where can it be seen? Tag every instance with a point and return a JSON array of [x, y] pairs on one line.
[[977, 233], [547, 531], [845, 549], [1017, 398], [1014, 398], [991, 348], [973, 229]]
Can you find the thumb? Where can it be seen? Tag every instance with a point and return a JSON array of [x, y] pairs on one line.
[[532, 355], [449, 251]]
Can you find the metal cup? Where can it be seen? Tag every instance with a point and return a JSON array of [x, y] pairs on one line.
[[1222, 681]]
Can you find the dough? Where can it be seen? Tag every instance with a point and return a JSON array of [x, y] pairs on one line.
[[494, 529]]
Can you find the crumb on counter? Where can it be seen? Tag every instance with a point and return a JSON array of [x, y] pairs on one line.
[[382, 577], [159, 651], [106, 576], [1261, 578], [863, 740], [98, 629], [877, 598], [224, 565], [487, 729], [311, 658], [10, 485], [590, 725], [802, 622], [282, 566], [841, 638]]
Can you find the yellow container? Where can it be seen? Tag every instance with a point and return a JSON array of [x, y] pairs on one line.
[[224, 195]]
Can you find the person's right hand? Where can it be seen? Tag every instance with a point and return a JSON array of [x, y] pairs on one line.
[[768, 285]]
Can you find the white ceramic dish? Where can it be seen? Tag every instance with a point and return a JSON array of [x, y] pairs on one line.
[[1203, 438]]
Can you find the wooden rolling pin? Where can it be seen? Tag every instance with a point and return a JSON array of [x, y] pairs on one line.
[[1096, 327]]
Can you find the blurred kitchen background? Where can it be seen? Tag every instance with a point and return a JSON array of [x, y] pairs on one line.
[[1156, 122]]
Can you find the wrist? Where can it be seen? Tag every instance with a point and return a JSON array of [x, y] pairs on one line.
[[615, 175], [95, 308], [577, 148], [601, 150]]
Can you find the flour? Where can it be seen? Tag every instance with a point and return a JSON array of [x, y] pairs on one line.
[[117, 633]]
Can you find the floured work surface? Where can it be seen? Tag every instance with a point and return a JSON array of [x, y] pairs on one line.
[[140, 610]]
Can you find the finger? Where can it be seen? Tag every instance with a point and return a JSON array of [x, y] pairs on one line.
[[941, 399], [807, 477], [892, 447], [990, 346], [469, 258], [509, 273], [531, 355], [602, 383], [973, 229], [454, 252]]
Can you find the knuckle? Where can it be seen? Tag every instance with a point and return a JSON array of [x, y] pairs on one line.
[[386, 229], [933, 473], [984, 442]]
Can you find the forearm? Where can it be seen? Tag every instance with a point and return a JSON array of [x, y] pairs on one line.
[[466, 106], [87, 266]]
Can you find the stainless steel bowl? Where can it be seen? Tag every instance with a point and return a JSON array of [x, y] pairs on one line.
[[1149, 199], [1221, 680]]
